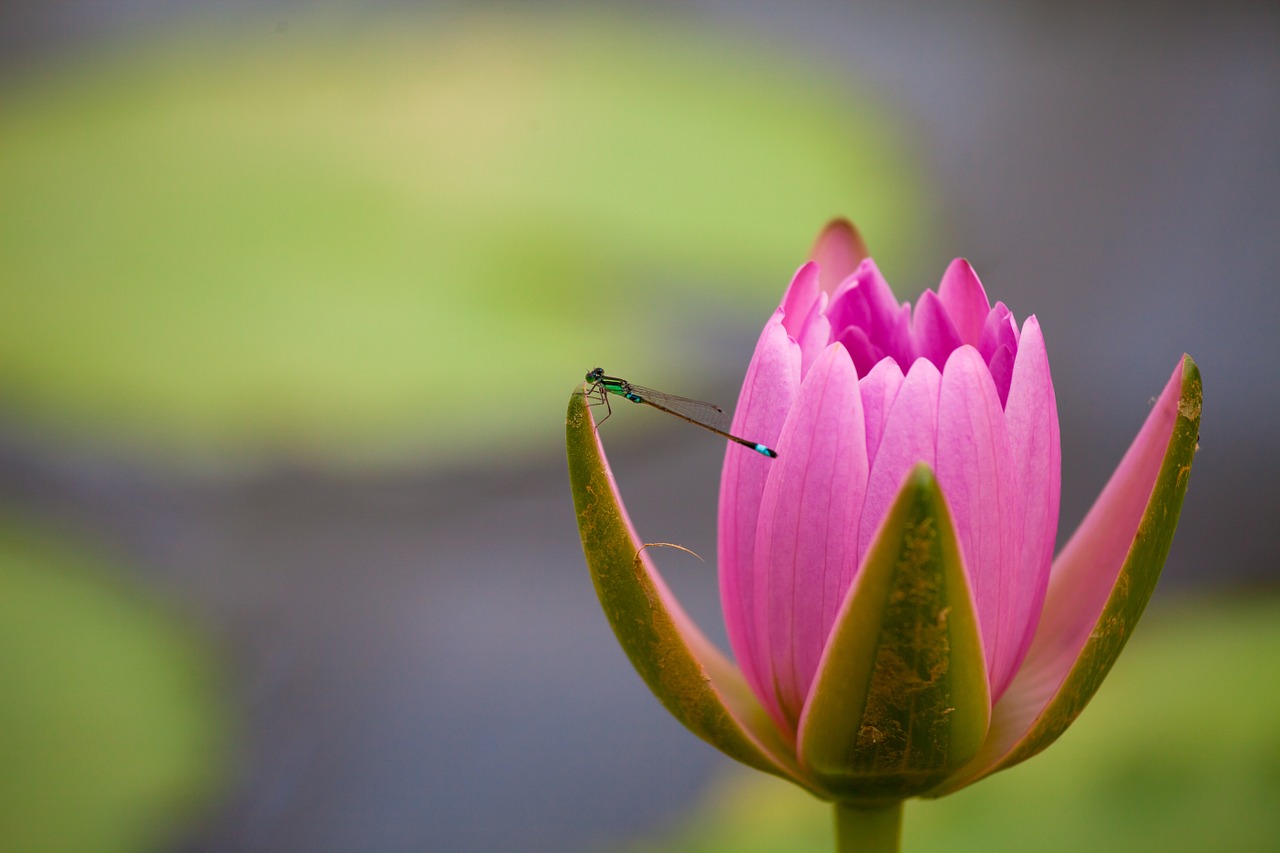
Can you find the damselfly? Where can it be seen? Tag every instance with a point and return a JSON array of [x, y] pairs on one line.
[[706, 415]]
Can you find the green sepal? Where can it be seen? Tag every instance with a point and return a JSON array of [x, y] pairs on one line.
[[688, 674], [901, 698]]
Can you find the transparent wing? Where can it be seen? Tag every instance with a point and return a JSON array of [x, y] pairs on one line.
[[704, 414]]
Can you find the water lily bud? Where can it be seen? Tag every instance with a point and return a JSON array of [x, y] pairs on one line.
[[900, 625]]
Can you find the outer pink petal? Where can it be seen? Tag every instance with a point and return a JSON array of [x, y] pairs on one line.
[[806, 541], [879, 388], [838, 251], [910, 436], [1085, 572], [1032, 416], [962, 294], [976, 474], [768, 392]]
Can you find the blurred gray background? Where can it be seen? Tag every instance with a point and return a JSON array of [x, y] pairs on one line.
[[412, 655]]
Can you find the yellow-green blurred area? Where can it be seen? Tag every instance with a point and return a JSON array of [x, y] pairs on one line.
[[1179, 751], [337, 240], [111, 734]]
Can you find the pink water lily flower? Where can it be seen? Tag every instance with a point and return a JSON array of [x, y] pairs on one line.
[[900, 624], [855, 390]]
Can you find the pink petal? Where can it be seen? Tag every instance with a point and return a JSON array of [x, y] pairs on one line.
[[975, 472], [806, 538], [864, 353], [799, 300], [1032, 416], [1082, 577], [815, 334], [865, 300], [932, 331], [909, 436], [998, 330], [897, 341], [879, 388], [838, 251], [852, 305], [1082, 580], [1001, 367], [965, 300], [768, 392]]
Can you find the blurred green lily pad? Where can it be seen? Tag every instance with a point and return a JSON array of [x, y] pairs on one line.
[[352, 242], [111, 730]]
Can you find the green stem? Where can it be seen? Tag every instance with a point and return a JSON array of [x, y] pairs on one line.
[[868, 830]]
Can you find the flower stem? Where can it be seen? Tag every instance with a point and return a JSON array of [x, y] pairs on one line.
[[868, 830]]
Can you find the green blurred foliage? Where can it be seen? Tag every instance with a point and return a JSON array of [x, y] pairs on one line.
[[111, 731], [355, 241], [1179, 751]]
